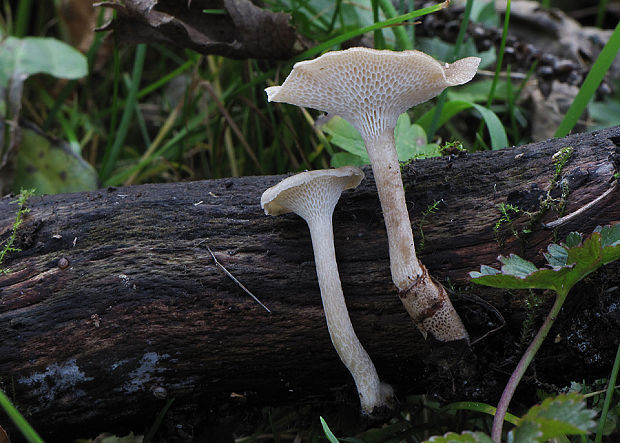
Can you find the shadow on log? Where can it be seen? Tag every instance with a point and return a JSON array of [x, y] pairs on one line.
[[115, 302]]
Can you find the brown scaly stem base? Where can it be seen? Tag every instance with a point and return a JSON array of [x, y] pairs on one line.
[[429, 306]]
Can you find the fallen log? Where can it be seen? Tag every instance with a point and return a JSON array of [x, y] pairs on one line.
[[123, 297]]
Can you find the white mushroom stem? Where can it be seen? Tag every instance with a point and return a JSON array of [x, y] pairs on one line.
[[426, 302], [313, 196], [371, 391], [404, 264]]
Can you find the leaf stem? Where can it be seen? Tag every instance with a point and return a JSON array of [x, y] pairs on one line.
[[526, 359]]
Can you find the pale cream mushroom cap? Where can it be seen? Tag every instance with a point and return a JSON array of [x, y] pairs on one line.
[[368, 87], [316, 186]]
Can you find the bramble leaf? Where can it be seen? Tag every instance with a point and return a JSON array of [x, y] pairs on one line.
[[557, 416], [568, 263], [467, 436], [526, 432], [515, 265], [557, 255], [573, 239]]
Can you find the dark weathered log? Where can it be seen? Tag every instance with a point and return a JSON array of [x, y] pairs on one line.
[[140, 310]]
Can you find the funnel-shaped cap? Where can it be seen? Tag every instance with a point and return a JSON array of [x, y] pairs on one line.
[[370, 88]]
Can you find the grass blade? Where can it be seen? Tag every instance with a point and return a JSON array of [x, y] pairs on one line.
[[359, 31], [402, 39], [28, 431], [430, 134], [498, 66], [608, 397], [112, 154], [590, 84], [479, 407]]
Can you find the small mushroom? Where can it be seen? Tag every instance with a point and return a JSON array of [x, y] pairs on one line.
[[313, 196], [370, 88]]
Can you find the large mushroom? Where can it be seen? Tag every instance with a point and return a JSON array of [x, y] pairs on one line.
[[370, 89], [313, 196]]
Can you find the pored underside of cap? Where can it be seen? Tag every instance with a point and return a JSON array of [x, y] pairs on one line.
[[310, 189], [370, 88]]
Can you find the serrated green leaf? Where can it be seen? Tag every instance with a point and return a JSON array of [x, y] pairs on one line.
[[526, 432], [570, 263], [467, 436], [610, 234], [557, 255], [541, 279], [517, 266], [484, 270], [573, 239], [558, 416]]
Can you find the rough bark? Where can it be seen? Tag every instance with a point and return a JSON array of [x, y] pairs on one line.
[[140, 310]]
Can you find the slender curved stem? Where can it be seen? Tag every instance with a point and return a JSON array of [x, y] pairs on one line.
[[347, 345], [526, 359]]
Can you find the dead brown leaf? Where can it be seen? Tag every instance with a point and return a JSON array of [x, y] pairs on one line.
[[3, 437], [243, 31]]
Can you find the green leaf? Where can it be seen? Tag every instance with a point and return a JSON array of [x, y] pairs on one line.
[[131, 438], [387, 432], [605, 113], [50, 166], [558, 416], [610, 239], [410, 142], [573, 239], [528, 432], [478, 92], [36, 55], [340, 159], [557, 255], [346, 137], [515, 265], [467, 436], [569, 263], [494, 125]]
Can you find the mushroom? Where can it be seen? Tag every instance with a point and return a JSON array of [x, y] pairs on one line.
[[370, 89], [313, 196]]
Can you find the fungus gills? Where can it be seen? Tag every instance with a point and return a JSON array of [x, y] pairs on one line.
[[370, 89], [313, 196]]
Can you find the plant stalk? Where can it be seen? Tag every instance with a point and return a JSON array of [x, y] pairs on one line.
[[526, 359]]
